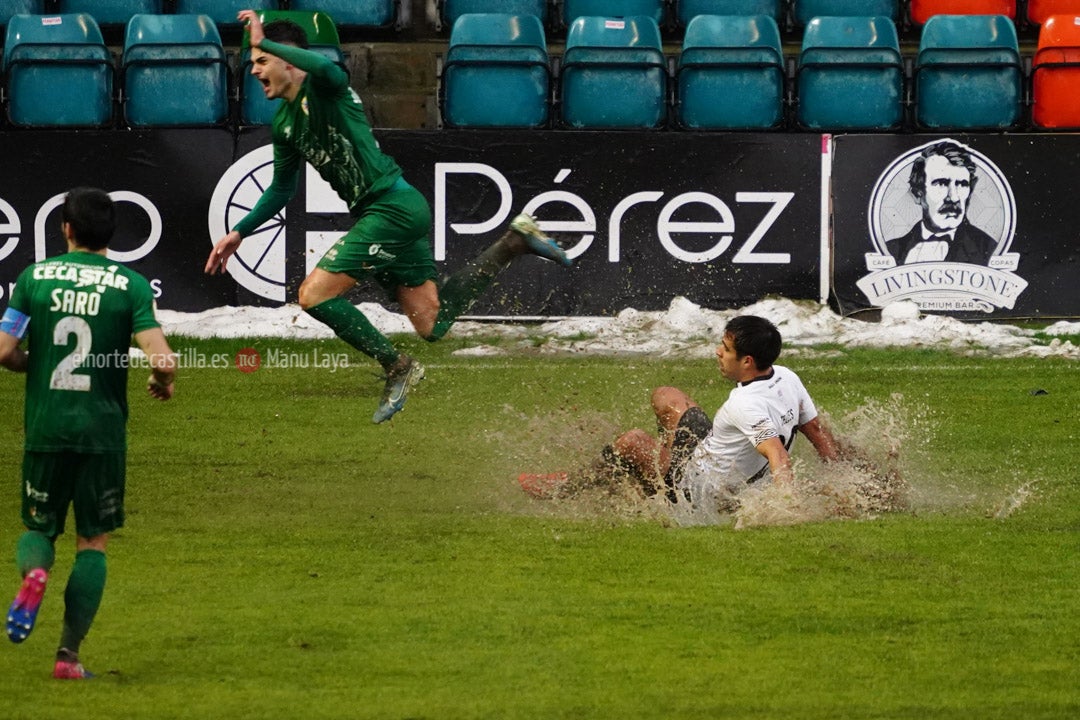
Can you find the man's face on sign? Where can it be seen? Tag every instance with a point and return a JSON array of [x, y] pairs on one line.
[[948, 188]]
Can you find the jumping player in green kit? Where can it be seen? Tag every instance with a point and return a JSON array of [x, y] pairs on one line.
[[321, 120], [78, 313]]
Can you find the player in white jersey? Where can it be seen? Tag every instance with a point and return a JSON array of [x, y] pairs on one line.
[[746, 444]]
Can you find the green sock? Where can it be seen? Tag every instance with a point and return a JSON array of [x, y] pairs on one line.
[[354, 328], [34, 550], [82, 597], [461, 289]]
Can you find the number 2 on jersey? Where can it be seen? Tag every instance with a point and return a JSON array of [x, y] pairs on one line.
[[64, 376]]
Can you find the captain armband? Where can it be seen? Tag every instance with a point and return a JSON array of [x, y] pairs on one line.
[[14, 323]]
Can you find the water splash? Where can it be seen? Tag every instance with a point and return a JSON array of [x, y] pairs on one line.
[[891, 471]]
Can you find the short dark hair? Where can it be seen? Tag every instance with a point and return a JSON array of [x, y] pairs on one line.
[[954, 152], [754, 336], [286, 32], [92, 216]]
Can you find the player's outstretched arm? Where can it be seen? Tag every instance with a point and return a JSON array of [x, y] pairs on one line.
[[223, 249], [254, 26], [162, 362]]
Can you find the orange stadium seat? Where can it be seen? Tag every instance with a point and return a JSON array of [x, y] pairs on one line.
[[923, 10], [1038, 10], [1055, 74]]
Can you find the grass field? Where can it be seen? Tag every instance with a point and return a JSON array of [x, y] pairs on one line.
[[285, 558]]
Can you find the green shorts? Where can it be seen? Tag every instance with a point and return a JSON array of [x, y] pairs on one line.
[[388, 243], [92, 482]]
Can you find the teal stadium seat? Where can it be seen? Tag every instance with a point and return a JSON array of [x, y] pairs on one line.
[[496, 73], [687, 10], [1037, 11], [222, 12], [9, 8], [352, 13], [730, 73], [968, 73], [573, 9], [850, 75], [58, 71], [451, 10], [111, 13], [255, 108], [174, 72], [803, 11], [614, 74]]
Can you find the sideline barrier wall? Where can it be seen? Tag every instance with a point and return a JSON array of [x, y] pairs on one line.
[[722, 219]]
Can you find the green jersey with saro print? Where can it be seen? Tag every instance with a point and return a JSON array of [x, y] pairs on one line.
[[83, 310]]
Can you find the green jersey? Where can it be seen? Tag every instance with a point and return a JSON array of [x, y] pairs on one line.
[[83, 309], [324, 125]]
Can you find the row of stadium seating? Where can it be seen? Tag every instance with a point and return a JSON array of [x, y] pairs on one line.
[[375, 14], [675, 15], [731, 74], [555, 15], [174, 71]]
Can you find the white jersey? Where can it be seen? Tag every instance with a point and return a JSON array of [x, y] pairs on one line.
[[727, 460]]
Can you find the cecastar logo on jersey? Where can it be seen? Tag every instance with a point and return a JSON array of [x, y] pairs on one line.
[[942, 219]]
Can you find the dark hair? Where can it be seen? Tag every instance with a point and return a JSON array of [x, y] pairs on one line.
[[952, 151], [286, 32], [92, 216], [754, 336]]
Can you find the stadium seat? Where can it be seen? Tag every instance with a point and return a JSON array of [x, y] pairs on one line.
[[222, 12], [174, 71], [1055, 73], [614, 74], [850, 74], [497, 72], [451, 10], [730, 73], [58, 71], [110, 13], [20, 7], [803, 11], [923, 10], [687, 10], [968, 73], [573, 9], [1037, 11], [352, 13], [255, 108]]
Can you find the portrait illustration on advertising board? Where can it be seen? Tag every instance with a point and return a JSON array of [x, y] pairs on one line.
[[942, 219]]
